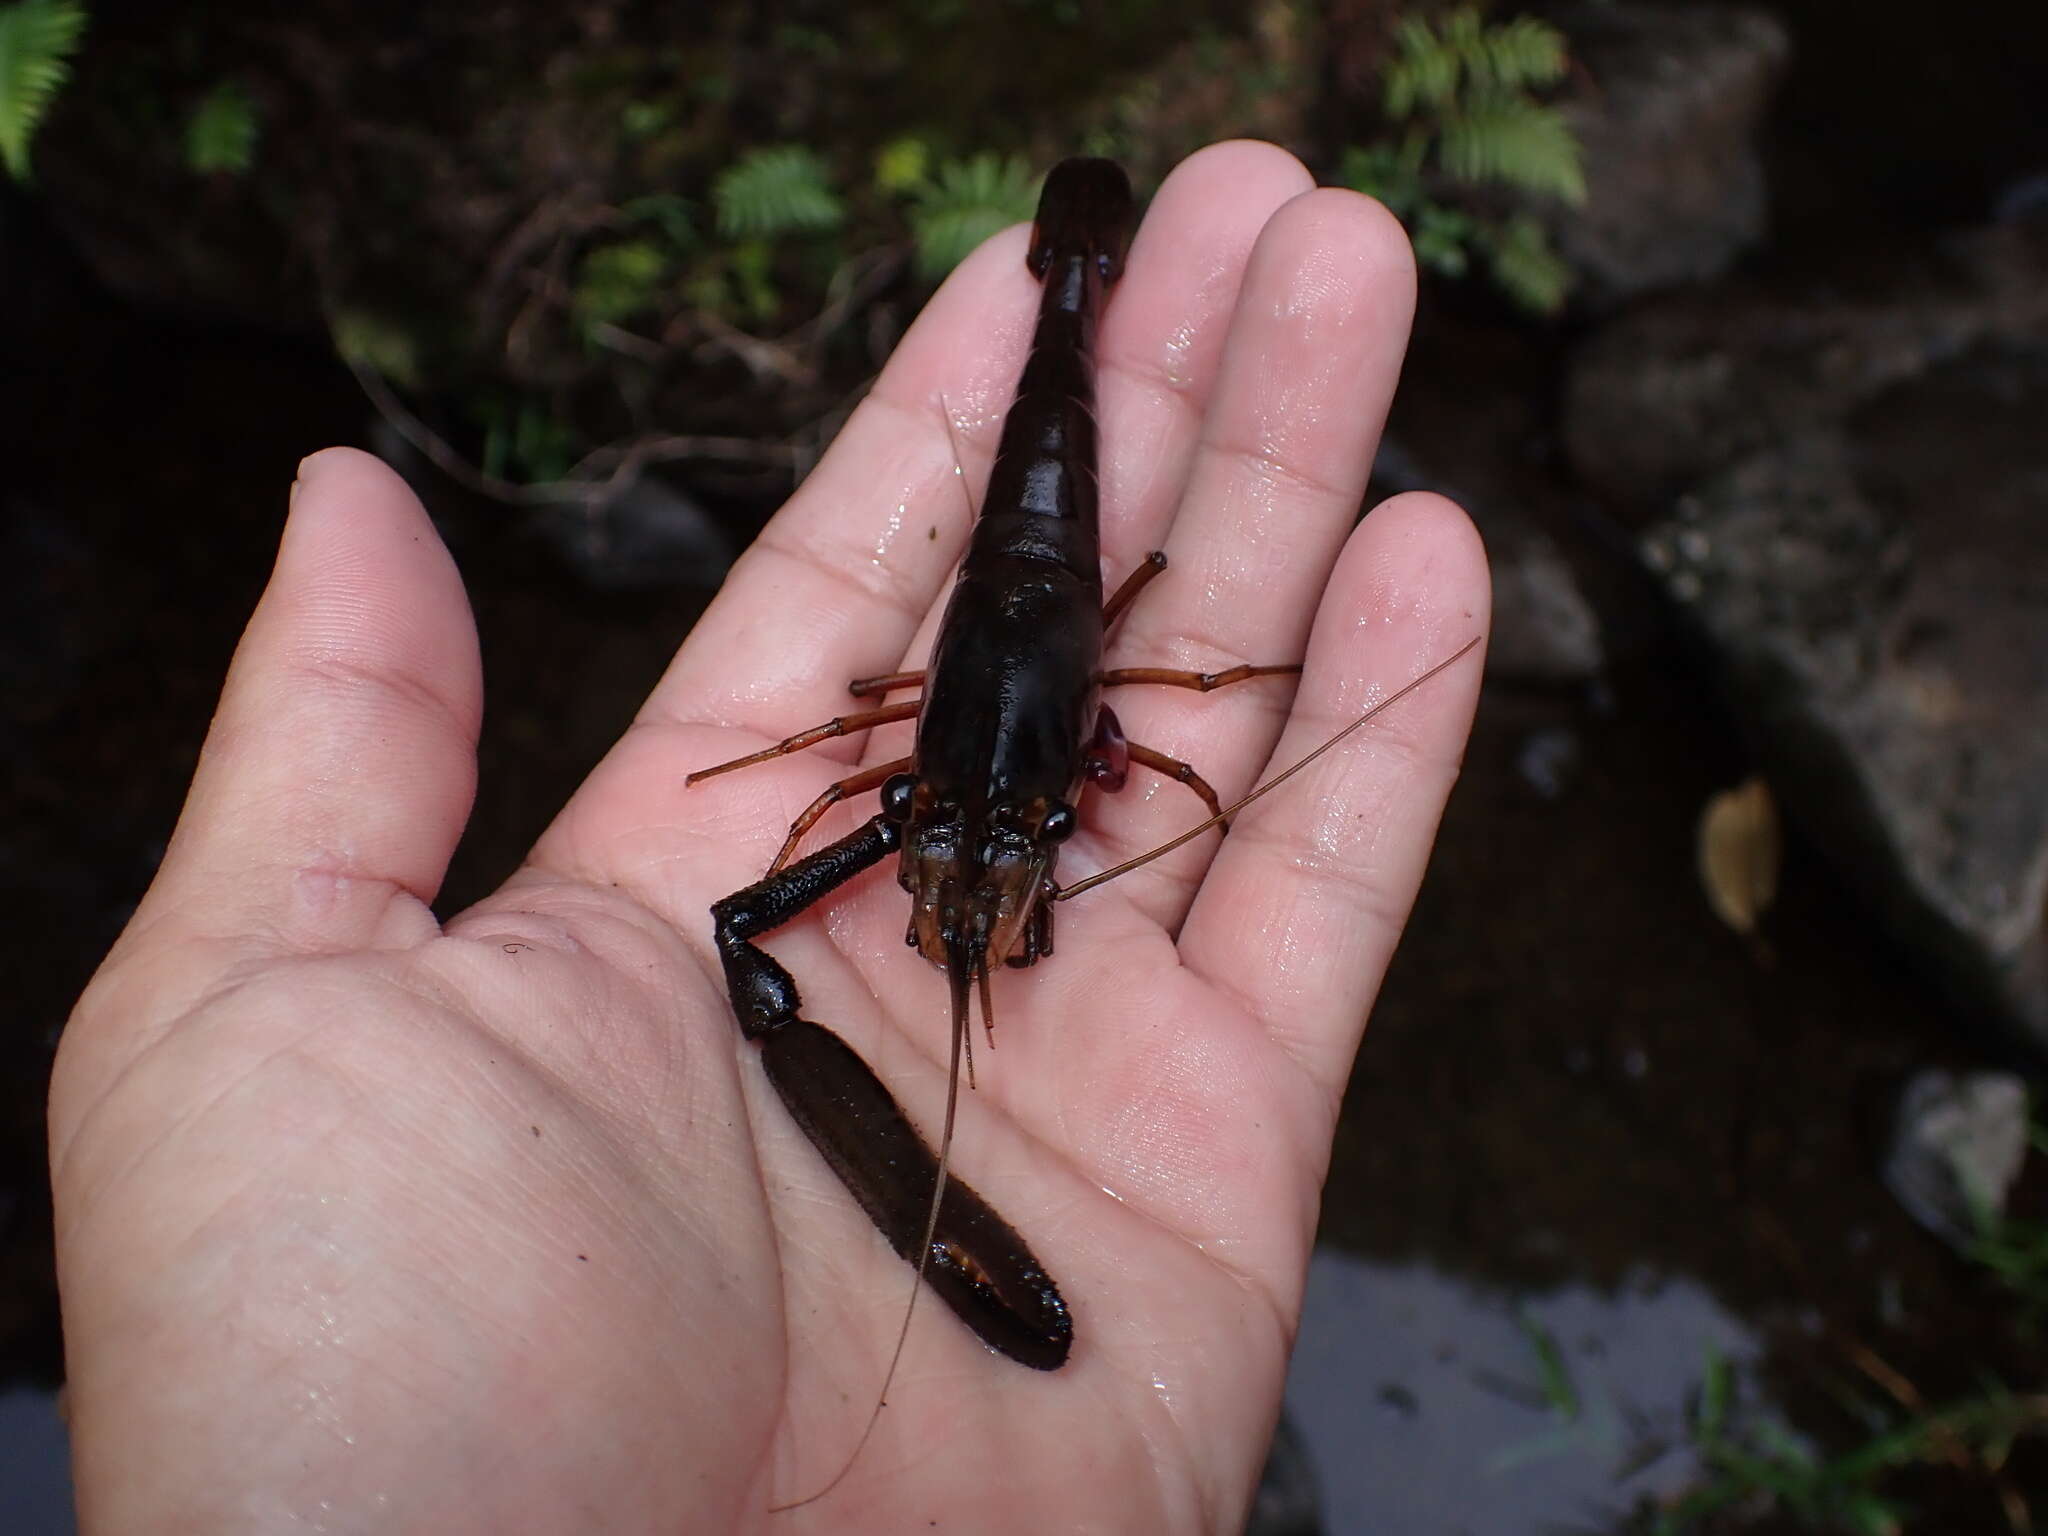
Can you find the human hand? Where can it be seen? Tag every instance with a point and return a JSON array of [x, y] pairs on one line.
[[369, 1223]]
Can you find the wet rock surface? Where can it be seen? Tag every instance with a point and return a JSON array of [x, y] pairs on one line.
[[1957, 1147], [1682, 386], [1865, 565], [1669, 107]]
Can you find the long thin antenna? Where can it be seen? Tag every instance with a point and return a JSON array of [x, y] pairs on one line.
[[961, 1031], [959, 469], [1103, 877]]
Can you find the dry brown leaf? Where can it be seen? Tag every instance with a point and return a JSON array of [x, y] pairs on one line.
[[1740, 852]]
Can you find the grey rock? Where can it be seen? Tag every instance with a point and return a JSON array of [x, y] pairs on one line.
[[1669, 122], [1548, 760], [1853, 478], [1544, 629], [1683, 386], [647, 535], [1956, 1149], [1875, 593]]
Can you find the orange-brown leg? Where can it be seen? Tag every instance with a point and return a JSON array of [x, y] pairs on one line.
[[888, 682], [1204, 681], [1136, 582], [867, 778], [1174, 768], [817, 733]]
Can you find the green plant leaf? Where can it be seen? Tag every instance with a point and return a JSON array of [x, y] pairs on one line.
[[644, 119], [1527, 269], [616, 282], [779, 190], [1382, 171], [668, 212], [751, 263], [222, 133], [1423, 74], [373, 341], [1517, 142], [37, 40], [1717, 1391], [1523, 53], [900, 166], [543, 445], [1442, 238], [965, 203], [1555, 1375]]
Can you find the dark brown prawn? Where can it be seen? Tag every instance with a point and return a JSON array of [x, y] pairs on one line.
[[1009, 729]]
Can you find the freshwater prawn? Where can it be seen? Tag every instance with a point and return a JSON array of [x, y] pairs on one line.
[[1010, 728]]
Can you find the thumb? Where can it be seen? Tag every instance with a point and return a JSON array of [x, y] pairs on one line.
[[340, 766]]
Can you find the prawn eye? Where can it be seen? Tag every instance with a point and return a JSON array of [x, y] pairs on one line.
[[1059, 824], [897, 791]]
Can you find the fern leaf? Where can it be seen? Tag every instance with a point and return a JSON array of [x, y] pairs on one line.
[[1526, 268], [223, 132], [1440, 237], [965, 203], [1525, 53], [37, 39], [669, 213], [1464, 38], [1382, 171], [364, 338], [779, 190], [1423, 74], [1517, 142], [616, 282]]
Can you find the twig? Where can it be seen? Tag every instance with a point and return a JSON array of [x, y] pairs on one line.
[[870, 272], [762, 358], [581, 486]]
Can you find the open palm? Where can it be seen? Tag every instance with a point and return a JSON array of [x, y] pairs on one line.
[[371, 1224]]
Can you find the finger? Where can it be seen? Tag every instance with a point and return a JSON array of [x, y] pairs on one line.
[[1164, 331], [1286, 450], [339, 768], [1306, 898], [838, 581]]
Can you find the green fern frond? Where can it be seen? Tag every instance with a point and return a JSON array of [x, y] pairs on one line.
[[1518, 142], [223, 131], [616, 282], [780, 190], [1525, 266], [1389, 172], [1525, 54], [37, 39], [965, 203], [669, 213], [1433, 67], [1442, 238], [1423, 74], [1464, 34], [1461, 91], [753, 278], [642, 120], [368, 339]]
